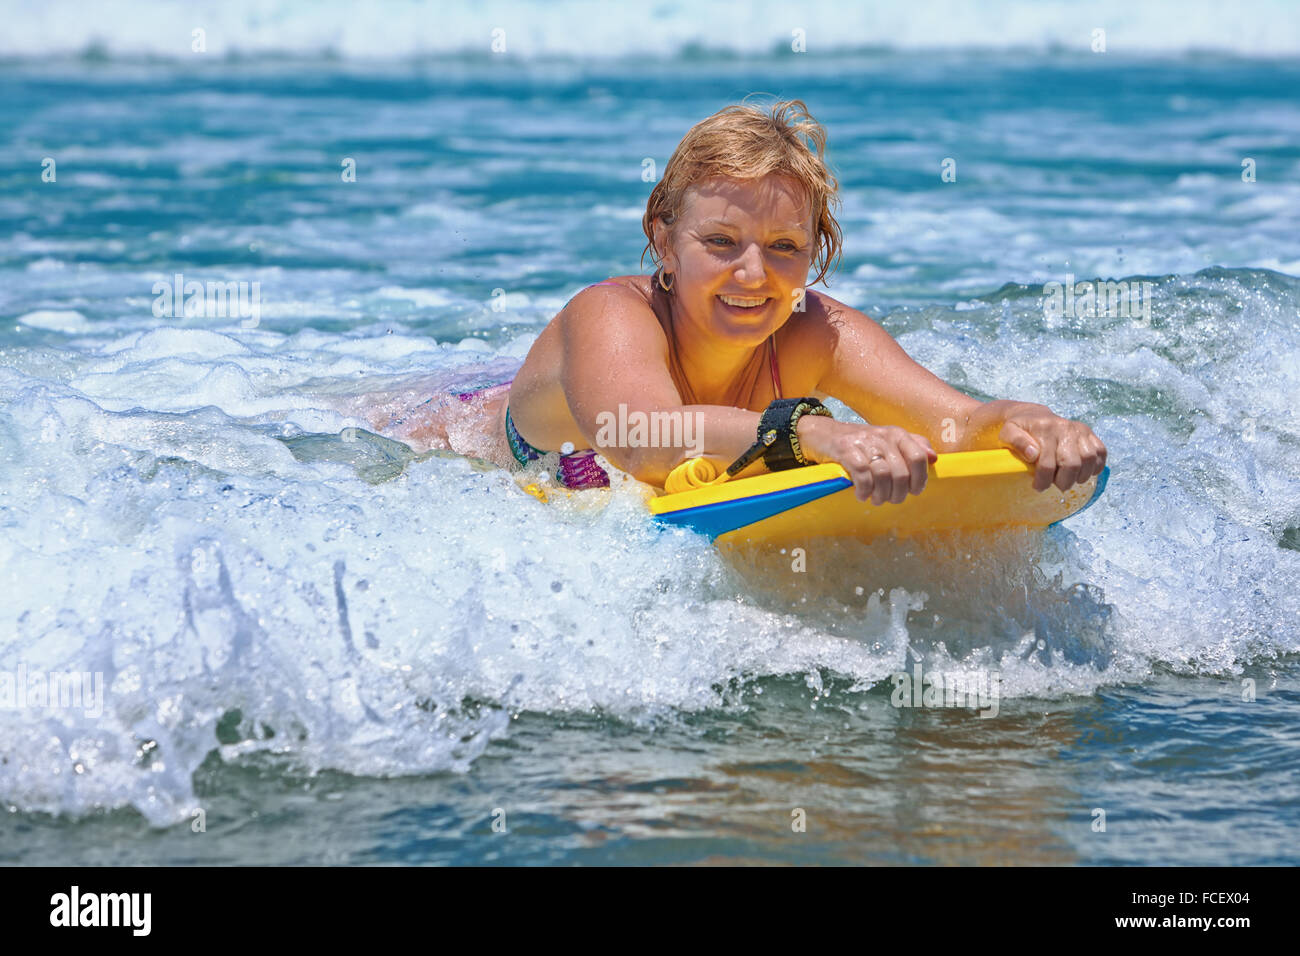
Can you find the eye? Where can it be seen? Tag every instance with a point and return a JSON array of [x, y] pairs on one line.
[[787, 245]]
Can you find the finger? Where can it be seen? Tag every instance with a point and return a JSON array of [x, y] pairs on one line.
[[883, 473], [924, 443], [918, 463], [1067, 463], [1020, 441], [1097, 455], [855, 463], [898, 476], [1045, 473], [864, 484], [900, 472], [1088, 455]]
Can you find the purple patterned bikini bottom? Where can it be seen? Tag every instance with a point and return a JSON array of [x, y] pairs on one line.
[[578, 470]]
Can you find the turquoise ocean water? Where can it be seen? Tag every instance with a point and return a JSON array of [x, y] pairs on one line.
[[330, 647]]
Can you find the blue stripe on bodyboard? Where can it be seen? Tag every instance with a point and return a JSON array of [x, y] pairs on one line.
[[722, 516]]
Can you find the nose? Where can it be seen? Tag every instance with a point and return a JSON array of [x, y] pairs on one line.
[[749, 268]]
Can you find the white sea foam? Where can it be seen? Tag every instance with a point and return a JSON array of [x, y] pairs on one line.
[[586, 28], [56, 320], [156, 530]]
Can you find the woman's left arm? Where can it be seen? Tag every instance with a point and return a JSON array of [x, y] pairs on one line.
[[872, 374]]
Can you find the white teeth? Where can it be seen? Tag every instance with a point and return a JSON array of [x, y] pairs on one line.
[[742, 303]]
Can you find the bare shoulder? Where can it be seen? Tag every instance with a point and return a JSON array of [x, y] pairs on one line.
[[828, 314], [810, 337], [618, 309], [833, 327], [639, 284]]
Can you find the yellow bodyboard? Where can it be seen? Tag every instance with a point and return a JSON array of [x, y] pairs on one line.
[[965, 491]]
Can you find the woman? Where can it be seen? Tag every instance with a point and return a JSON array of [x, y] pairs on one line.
[[726, 332]]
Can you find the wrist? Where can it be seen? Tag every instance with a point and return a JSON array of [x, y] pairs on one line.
[[787, 415], [808, 430], [780, 429]]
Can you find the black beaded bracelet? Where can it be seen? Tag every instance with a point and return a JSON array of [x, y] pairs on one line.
[[783, 415], [777, 441]]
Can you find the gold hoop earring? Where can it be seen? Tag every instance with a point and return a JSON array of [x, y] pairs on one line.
[[669, 287]]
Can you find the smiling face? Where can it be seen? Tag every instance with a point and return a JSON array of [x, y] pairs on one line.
[[746, 241]]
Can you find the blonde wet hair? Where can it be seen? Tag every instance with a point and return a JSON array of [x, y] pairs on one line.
[[745, 142]]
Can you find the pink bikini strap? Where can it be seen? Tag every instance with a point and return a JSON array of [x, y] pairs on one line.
[[776, 376]]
